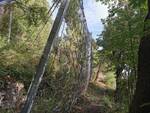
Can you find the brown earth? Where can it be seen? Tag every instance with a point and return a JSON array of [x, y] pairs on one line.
[[93, 102]]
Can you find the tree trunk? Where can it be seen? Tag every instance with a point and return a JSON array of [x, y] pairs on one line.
[[44, 59], [10, 23], [141, 100], [98, 72], [118, 95]]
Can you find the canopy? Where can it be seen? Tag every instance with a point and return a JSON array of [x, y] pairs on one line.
[[4, 2]]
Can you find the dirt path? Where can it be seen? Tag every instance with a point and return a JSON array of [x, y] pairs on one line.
[[95, 100]]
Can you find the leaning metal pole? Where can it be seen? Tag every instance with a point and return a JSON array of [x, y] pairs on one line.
[[44, 58]]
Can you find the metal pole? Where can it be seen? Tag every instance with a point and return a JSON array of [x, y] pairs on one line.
[[45, 56]]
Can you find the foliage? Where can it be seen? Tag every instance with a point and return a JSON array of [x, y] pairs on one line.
[[110, 79], [63, 80], [120, 40], [61, 85], [19, 58]]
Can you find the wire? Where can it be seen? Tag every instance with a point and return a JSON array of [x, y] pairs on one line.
[[49, 14]]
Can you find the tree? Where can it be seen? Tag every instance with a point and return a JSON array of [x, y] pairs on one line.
[[123, 30], [141, 101]]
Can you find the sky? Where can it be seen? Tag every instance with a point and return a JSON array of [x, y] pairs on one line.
[[94, 12]]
